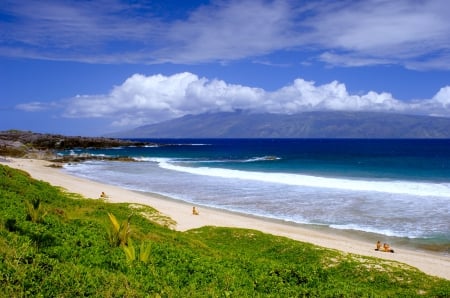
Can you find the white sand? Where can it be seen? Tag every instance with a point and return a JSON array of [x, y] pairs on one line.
[[436, 265]]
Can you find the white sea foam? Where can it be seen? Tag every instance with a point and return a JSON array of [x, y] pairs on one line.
[[188, 144], [294, 198], [393, 187], [156, 145], [377, 230], [227, 160], [262, 158], [153, 159]]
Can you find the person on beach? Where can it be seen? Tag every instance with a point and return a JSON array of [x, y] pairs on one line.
[[195, 211], [378, 245], [387, 248], [103, 195]]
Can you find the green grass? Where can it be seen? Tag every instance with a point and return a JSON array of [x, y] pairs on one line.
[[68, 253]]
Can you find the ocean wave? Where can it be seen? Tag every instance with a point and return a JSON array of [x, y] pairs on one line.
[[153, 159], [381, 231], [246, 160], [385, 186], [175, 145], [186, 144], [383, 214], [262, 158], [201, 160]]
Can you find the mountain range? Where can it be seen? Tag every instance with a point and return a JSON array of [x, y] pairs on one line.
[[243, 124]]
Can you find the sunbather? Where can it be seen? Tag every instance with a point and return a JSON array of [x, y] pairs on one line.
[[387, 248]]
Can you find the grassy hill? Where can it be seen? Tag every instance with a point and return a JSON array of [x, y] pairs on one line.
[[57, 244]]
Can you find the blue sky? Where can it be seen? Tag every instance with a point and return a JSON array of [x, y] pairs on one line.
[[94, 67]]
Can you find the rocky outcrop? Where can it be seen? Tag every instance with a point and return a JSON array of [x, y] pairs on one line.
[[17, 143]]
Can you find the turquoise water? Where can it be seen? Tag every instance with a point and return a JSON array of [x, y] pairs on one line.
[[393, 188]]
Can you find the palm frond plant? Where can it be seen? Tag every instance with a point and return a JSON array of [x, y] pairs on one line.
[[35, 210], [119, 234], [130, 251], [144, 252]]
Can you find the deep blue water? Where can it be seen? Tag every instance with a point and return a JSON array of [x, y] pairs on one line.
[[395, 188]]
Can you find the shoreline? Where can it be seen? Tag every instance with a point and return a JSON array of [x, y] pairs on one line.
[[181, 212], [361, 236]]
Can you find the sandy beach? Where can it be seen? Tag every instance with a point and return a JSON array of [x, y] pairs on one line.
[[436, 265]]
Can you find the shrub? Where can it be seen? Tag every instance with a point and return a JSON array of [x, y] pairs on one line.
[[119, 233], [35, 211]]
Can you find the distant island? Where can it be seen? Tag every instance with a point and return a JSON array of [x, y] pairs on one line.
[[242, 124]]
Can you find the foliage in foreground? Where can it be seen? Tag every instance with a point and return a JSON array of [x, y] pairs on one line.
[[70, 252]]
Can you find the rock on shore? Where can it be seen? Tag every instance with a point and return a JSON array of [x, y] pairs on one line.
[[29, 144]]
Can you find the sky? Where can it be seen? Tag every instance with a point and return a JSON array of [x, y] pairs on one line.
[[96, 67]]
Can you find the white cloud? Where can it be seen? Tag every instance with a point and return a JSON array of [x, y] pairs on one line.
[[383, 31], [155, 98], [415, 34], [443, 96], [228, 30], [88, 31], [34, 106], [352, 60], [148, 99], [306, 96]]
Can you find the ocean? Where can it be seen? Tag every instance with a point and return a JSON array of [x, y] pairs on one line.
[[392, 190]]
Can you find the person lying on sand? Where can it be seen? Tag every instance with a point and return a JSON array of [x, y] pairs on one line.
[[387, 248], [103, 195], [195, 211]]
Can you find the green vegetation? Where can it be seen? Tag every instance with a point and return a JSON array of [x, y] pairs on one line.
[[77, 247], [35, 211], [119, 234]]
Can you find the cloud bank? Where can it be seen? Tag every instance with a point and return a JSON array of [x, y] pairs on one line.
[[414, 34], [148, 99]]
